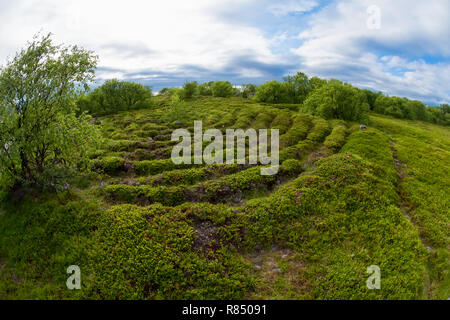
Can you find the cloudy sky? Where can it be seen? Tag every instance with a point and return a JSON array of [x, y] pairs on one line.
[[400, 47]]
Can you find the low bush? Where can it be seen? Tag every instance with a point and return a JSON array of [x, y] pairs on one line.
[[168, 196], [109, 165], [121, 145], [191, 176], [235, 185], [159, 253], [343, 218], [298, 151], [114, 96], [298, 131], [319, 130], [222, 89], [336, 139], [122, 193], [262, 121], [373, 145], [282, 122], [147, 167], [245, 118]]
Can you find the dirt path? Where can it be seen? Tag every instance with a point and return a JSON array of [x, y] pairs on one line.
[[404, 205]]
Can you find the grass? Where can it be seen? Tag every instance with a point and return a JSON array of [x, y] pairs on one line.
[[424, 151], [141, 227]]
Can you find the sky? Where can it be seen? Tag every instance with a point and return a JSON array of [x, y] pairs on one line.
[[399, 47]]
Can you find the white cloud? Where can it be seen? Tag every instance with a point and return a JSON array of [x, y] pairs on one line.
[[138, 35], [339, 44], [282, 8], [162, 40]]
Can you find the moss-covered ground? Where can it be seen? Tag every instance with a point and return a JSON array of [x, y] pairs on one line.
[[141, 227]]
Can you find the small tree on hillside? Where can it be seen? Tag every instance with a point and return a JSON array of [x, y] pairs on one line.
[[298, 87], [272, 92], [337, 100], [222, 89], [205, 89], [190, 89], [316, 82], [40, 134], [418, 109], [114, 96]]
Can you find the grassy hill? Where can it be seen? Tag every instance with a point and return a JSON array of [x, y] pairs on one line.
[[141, 227]]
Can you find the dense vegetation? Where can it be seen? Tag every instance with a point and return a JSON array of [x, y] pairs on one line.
[[41, 137], [141, 227], [114, 96], [337, 100], [331, 99]]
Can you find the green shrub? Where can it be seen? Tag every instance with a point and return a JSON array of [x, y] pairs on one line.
[[282, 122], [248, 90], [401, 108], [336, 139], [109, 165], [155, 253], [205, 89], [222, 89], [147, 167], [190, 89], [180, 176], [118, 135], [329, 216], [262, 121], [227, 187], [121, 145], [121, 192], [319, 131], [245, 118], [168, 196], [146, 103], [288, 106], [337, 100], [373, 145], [298, 151], [114, 96], [191, 176], [297, 132], [243, 182], [291, 167], [272, 92]]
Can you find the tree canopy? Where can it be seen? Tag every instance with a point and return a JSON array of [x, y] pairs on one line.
[[272, 92], [190, 89], [298, 87], [40, 134], [401, 108], [114, 95], [205, 89], [222, 89], [338, 100], [294, 89]]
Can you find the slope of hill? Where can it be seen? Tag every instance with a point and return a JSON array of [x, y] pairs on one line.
[[141, 227]]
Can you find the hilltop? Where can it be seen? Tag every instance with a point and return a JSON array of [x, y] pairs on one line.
[[141, 227]]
